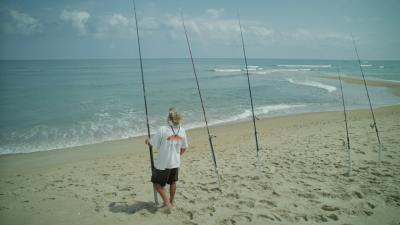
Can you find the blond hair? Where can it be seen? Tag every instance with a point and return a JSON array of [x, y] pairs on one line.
[[174, 117]]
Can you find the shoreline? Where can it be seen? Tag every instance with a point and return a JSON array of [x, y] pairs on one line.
[[86, 152], [222, 124]]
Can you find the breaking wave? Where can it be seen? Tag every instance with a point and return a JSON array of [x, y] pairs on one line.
[[259, 111], [227, 70], [260, 70], [306, 66], [315, 84]]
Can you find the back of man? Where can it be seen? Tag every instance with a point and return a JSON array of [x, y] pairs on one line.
[[169, 140], [171, 143]]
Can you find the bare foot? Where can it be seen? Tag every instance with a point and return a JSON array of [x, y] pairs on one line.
[[166, 208]]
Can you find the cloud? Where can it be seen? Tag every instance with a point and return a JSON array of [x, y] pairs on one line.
[[118, 20], [213, 27], [77, 18], [332, 35], [115, 25], [215, 13], [303, 34], [352, 19], [209, 29], [260, 31], [149, 23], [101, 27], [20, 23], [348, 19]]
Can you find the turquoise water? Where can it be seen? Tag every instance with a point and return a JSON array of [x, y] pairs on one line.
[[61, 103]]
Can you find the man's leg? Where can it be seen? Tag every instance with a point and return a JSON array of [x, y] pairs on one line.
[[161, 191], [172, 190]]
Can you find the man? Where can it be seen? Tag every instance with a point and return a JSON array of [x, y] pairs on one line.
[[171, 143]]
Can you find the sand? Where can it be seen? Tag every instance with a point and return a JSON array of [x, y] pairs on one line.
[[299, 180], [394, 86]]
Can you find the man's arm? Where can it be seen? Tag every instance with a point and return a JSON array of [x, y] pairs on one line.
[[183, 150], [155, 140]]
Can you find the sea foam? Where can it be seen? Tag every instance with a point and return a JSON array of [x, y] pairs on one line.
[[306, 66], [315, 84], [258, 111], [260, 71], [227, 70]]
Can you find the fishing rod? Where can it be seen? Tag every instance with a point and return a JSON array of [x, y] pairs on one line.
[[369, 100], [145, 101], [202, 104], [248, 82], [345, 120]]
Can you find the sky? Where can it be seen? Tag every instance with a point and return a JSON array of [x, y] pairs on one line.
[[285, 29]]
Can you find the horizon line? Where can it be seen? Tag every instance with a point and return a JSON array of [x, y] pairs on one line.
[[122, 58]]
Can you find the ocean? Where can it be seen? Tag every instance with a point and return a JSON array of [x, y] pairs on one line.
[[53, 104]]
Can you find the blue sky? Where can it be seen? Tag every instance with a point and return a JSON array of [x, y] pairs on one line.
[[318, 29]]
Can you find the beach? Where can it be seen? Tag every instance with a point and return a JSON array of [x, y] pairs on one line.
[[290, 120], [300, 178]]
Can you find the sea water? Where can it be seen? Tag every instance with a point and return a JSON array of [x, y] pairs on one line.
[[52, 104]]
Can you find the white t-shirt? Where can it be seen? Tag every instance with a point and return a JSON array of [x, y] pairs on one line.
[[169, 142]]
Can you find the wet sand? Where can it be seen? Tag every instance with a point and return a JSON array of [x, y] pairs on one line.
[[394, 86]]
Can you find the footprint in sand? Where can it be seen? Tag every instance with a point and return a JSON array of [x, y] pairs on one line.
[[320, 218], [243, 217], [269, 203], [227, 222], [368, 213], [110, 194], [329, 208], [189, 214], [187, 222], [358, 194], [307, 195], [210, 210], [233, 195], [249, 203], [265, 217], [232, 206]]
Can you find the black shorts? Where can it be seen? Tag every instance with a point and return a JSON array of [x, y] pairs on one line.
[[163, 177]]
